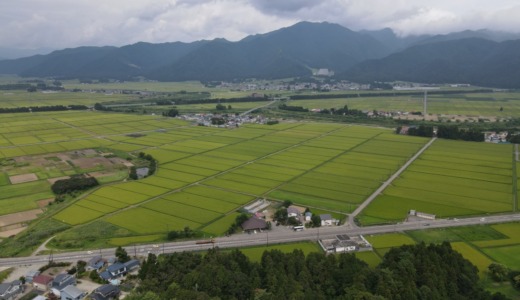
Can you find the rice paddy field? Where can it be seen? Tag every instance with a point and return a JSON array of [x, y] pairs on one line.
[[450, 178], [474, 104], [206, 174]]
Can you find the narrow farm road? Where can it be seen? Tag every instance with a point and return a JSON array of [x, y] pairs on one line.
[[387, 183], [42, 247], [261, 106]]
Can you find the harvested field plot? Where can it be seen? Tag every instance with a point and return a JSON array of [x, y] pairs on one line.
[[23, 178]]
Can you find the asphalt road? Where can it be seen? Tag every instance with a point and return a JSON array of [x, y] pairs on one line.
[[283, 235]]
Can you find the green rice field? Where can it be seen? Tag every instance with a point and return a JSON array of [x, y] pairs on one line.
[[206, 174], [451, 178]]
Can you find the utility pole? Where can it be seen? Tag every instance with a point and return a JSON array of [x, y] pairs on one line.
[[425, 104]]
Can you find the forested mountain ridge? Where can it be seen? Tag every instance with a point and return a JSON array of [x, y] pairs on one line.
[[408, 272], [476, 61], [481, 57]]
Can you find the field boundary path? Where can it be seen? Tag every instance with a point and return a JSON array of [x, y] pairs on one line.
[[387, 183], [261, 106]]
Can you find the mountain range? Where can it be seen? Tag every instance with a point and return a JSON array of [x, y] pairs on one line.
[[483, 57]]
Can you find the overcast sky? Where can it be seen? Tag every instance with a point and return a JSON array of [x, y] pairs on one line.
[[59, 24]]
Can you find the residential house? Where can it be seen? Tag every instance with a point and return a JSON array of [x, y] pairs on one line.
[[11, 290], [71, 292], [132, 265], [105, 292], [293, 212], [30, 275], [308, 216], [63, 280], [326, 220], [254, 224], [95, 263], [113, 271], [42, 282]]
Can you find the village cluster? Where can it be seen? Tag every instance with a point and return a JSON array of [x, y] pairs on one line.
[[46, 285]]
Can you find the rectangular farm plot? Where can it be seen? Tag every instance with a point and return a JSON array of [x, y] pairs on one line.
[[220, 226], [103, 208], [121, 195], [142, 188], [180, 176], [105, 201], [251, 180], [145, 221], [164, 156], [202, 202], [314, 201], [176, 209], [163, 182], [75, 214], [220, 194], [237, 186], [189, 169]]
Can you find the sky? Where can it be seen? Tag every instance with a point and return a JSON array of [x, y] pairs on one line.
[[57, 24]]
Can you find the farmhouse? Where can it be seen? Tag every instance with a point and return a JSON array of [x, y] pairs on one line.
[[254, 223], [292, 211], [326, 220]]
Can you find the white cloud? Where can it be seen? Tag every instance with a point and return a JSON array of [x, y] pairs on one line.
[[65, 23]]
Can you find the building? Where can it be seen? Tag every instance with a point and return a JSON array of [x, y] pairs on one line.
[[106, 292], [95, 263], [308, 216], [344, 243], [293, 212], [71, 292], [113, 271], [254, 224], [42, 282], [132, 265], [63, 280], [326, 220], [30, 275], [422, 215], [11, 290]]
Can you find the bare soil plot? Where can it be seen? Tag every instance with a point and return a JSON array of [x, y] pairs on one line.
[[44, 202], [23, 178], [19, 217], [53, 180]]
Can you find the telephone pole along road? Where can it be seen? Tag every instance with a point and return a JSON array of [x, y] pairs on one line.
[[259, 239]]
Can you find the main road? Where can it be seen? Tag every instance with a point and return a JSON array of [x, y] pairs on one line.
[[282, 235]]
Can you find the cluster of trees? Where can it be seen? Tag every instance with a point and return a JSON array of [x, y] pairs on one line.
[[5, 110], [344, 111], [238, 222], [77, 182], [447, 132], [218, 121], [223, 107], [456, 133], [152, 166], [177, 234], [14, 86], [171, 113], [292, 108], [409, 272]]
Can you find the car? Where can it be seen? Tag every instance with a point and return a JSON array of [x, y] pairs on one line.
[[89, 252]]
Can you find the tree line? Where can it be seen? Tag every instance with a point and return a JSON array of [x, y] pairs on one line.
[[409, 272], [386, 94], [4, 110], [446, 132]]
